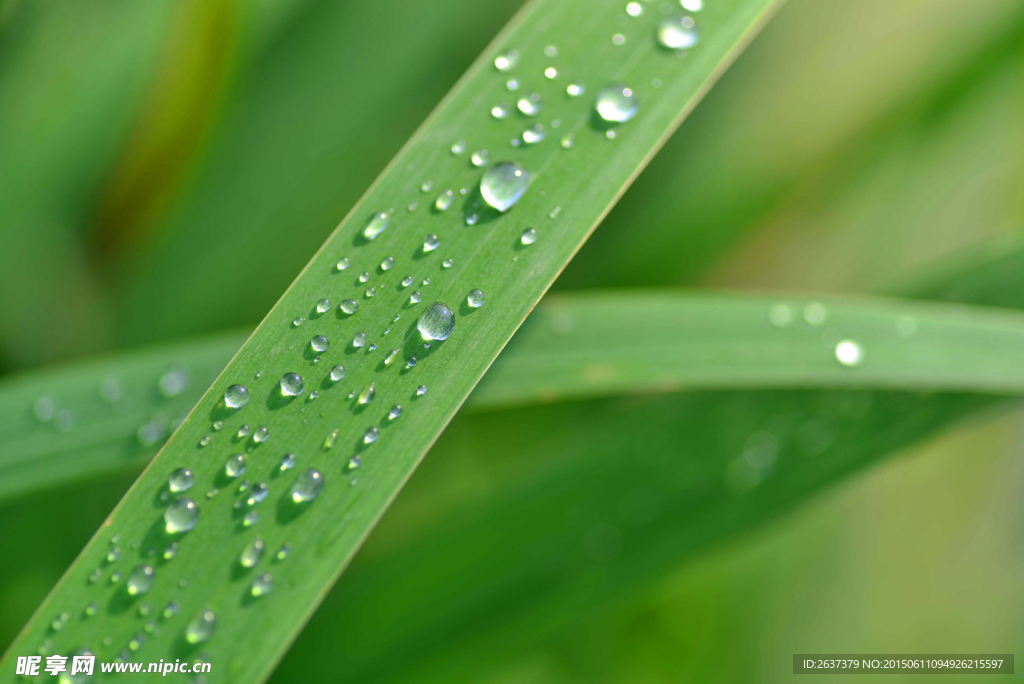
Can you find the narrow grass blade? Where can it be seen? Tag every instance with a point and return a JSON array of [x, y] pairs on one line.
[[572, 187]]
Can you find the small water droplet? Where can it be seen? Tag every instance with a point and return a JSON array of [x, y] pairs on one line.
[[342, 264], [359, 340], [815, 313], [551, 72], [287, 462], [140, 580], [677, 32], [568, 140], [781, 315], [201, 627], [111, 390], [512, 83], [65, 420], [218, 425], [479, 158], [551, 51], [366, 396], [371, 435], [553, 214], [421, 390], [618, 39], [437, 322], [475, 299], [95, 575], [307, 486], [533, 135], [370, 292], [91, 609], [181, 516], [364, 276], [528, 237], [44, 409], [507, 61], [410, 362], [236, 396], [243, 432], [320, 343], [354, 463], [284, 551], [472, 219], [297, 321], [251, 554], [459, 147], [692, 5], [616, 103], [181, 480], [392, 355], [235, 466], [250, 519], [262, 584], [330, 439], [116, 577], [430, 243], [395, 412], [426, 186], [349, 306], [530, 106], [173, 383], [291, 384], [502, 185], [323, 305], [376, 225], [444, 200], [849, 353], [575, 89], [261, 434], [415, 297], [634, 9], [447, 263], [171, 551], [501, 111]]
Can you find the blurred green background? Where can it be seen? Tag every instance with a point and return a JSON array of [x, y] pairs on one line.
[[167, 167]]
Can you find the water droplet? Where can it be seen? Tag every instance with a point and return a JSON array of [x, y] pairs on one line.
[[291, 384], [392, 355], [815, 313], [501, 111], [140, 580], [475, 299], [533, 135], [849, 353], [551, 72], [551, 51], [320, 343], [507, 61], [616, 103], [204, 440], [528, 237], [781, 315], [447, 263], [111, 390], [287, 462], [568, 140], [95, 575], [437, 322], [430, 243], [502, 185], [618, 39], [235, 465], [171, 551], [459, 147], [575, 89], [366, 396], [297, 321], [349, 306], [415, 297], [308, 485], [250, 519], [323, 305], [259, 493], [472, 219], [376, 225], [113, 554], [91, 609], [530, 106], [410, 362], [692, 5], [359, 340], [261, 434], [116, 576], [364, 276], [65, 420], [342, 264], [512, 83], [330, 439], [181, 516], [421, 390], [243, 432], [395, 412], [677, 32], [173, 383], [634, 9], [251, 554], [444, 200], [479, 158], [201, 627], [354, 462], [371, 435], [284, 551], [218, 425], [181, 480], [262, 584], [553, 214]]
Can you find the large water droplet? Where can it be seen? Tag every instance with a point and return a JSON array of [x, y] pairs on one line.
[[236, 396], [692, 5], [503, 185], [616, 103], [677, 32], [376, 225], [342, 264], [359, 340], [849, 353], [530, 106], [140, 580], [181, 480], [371, 435], [251, 554], [337, 373], [634, 9], [349, 306], [235, 465], [201, 627], [320, 343], [308, 485], [262, 584], [366, 396], [387, 264], [323, 306], [181, 516], [437, 322], [291, 384], [475, 299]]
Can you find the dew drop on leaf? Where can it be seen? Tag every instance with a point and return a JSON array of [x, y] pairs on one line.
[[502, 185], [376, 225], [201, 627], [307, 486], [181, 480], [181, 516], [291, 384], [437, 322], [251, 554], [616, 103]]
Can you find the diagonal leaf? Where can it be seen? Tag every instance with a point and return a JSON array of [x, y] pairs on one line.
[[571, 190]]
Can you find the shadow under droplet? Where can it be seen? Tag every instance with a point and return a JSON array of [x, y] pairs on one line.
[[289, 511], [600, 125], [277, 399], [475, 204]]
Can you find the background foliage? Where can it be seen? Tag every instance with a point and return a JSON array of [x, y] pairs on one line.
[[168, 167]]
